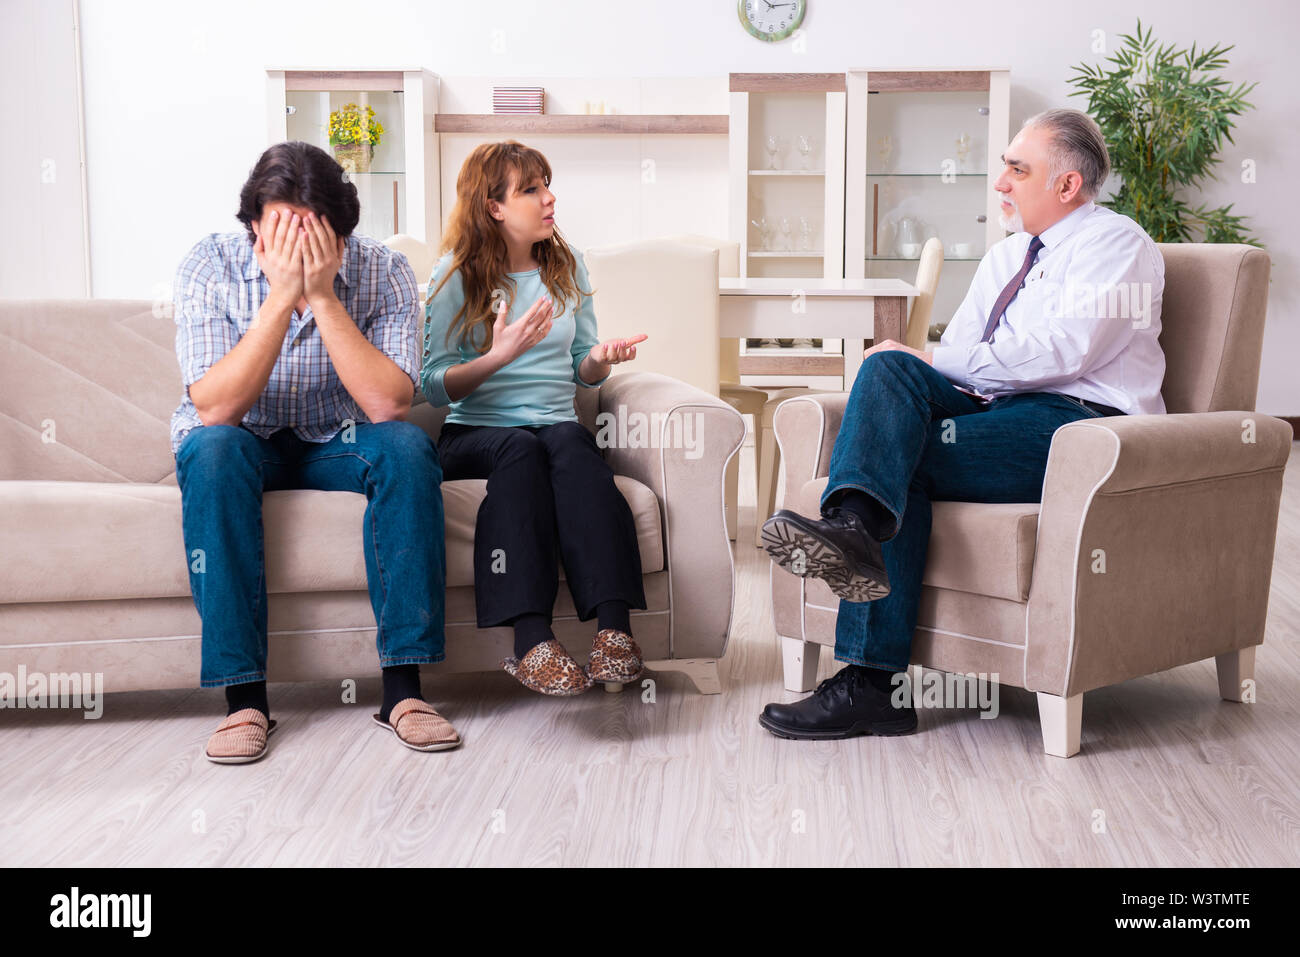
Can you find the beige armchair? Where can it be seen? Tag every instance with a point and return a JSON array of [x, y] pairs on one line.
[[93, 561], [1152, 546]]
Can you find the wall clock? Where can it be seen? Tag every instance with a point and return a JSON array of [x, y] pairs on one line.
[[771, 20]]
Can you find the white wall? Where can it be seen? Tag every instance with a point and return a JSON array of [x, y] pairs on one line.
[[43, 247], [175, 100]]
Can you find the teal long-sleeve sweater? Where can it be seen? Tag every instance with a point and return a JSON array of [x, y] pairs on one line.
[[538, 387]]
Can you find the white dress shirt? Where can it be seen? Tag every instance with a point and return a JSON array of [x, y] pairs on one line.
[[1085, 323]]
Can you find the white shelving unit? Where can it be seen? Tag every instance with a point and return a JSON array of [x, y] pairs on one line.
[[903, 162], [789, 105], [401, 191]]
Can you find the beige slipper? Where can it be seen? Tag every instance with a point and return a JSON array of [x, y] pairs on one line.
[[240, 738], [424, 729]]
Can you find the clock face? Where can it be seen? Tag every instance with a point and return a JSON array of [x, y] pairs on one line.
[[771, 20]]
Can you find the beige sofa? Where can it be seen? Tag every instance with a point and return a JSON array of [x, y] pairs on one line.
[[94, 575], [1182, 509]]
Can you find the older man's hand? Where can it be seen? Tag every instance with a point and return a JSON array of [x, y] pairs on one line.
[[889, 344]]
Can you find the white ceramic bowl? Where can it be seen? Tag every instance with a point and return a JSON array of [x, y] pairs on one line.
[[909, 250], [962, 250]]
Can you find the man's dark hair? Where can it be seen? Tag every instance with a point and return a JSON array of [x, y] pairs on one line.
[[303, 175]]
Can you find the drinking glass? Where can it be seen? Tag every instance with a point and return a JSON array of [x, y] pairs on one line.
[[805, 145]]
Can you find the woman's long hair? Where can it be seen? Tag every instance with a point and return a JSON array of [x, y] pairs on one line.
[[479, 250]]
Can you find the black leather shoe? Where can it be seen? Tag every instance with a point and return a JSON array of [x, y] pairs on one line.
[[837, 549], [843, 706]]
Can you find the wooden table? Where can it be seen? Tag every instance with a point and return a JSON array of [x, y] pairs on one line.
[[755, 308]]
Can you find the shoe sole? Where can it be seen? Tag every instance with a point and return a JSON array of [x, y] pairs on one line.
[[793, 547], [244, 758], [881, 729], [613, 679], [436, 746]]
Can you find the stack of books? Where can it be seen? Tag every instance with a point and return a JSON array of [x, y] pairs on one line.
[[518, 99]]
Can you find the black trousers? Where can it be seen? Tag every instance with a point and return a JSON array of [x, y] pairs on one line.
[[550, 496]]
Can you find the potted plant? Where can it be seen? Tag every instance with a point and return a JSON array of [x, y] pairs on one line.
[[1165, 113], [354, 135]]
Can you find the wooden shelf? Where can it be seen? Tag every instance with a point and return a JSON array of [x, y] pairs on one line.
[[786, 82], [928, 81], [580, 123], [791, 365]]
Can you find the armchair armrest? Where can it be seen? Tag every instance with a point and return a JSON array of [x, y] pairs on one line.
[[1155, 545], [677, 439], [805, 429]]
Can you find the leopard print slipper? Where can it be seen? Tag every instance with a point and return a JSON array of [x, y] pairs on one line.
[[548, 669], [615, 657]]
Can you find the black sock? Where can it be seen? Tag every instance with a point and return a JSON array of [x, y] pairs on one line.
[[400, 682], [531, 631], [614, 614], [875, 517], [882, 679], [251, 694]]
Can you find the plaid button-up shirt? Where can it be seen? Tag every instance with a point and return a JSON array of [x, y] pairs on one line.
[[219, 289]]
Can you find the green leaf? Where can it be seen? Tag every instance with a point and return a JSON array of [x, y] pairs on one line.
[[1165, 113]]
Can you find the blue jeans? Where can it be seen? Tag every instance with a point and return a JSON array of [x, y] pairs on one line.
[[223, 471], [909, 438]]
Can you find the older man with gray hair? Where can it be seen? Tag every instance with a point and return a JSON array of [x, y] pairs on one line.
[[1061, 322]]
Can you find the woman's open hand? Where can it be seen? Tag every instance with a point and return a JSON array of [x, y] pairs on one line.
[[614, 351], [511, 340]]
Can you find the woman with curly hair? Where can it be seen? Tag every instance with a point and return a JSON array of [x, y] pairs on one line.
[[510, 335]]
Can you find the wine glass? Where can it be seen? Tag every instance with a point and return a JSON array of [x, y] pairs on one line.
[[963, 150], [764, 230], [773, 145], [805, 146], [805, 234], [886, 149], [785, 233]]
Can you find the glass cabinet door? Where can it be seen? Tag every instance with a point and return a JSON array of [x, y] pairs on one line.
[[921, 146], [926, 174], [363, 131]]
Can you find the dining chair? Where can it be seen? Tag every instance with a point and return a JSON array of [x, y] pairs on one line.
[[745, 399], [421, 255]]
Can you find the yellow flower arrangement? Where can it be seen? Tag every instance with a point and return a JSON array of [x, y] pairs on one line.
[[348, 125]]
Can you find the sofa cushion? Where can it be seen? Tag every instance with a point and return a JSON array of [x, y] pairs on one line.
[[984, 549], [98, 540]]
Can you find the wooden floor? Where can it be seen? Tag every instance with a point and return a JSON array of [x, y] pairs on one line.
[[1168, 774]]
